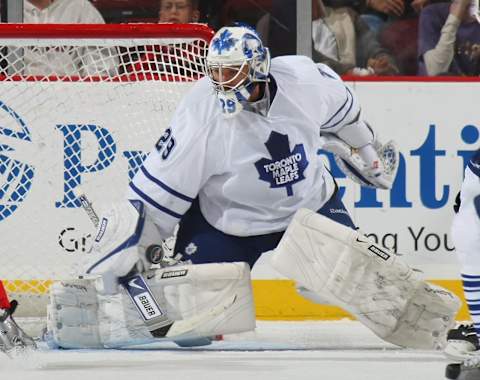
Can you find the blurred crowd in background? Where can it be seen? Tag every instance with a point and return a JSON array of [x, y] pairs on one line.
[[354, 37]]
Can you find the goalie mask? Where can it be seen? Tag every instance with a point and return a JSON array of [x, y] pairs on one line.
[[236, 61]]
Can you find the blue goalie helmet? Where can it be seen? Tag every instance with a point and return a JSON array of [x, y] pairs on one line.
[[236, 61]]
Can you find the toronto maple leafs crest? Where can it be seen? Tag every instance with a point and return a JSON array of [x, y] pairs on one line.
[[224, 42], [286, 167]]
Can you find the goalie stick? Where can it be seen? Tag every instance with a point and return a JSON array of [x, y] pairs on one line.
[[154, 318]]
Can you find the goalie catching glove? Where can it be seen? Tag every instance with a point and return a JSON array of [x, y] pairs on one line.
[[373, 165]]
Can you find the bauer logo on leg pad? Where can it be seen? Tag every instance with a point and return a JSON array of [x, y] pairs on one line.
[[148, 306], [141, 296], [379, 252], [175, 273], [376, 250]]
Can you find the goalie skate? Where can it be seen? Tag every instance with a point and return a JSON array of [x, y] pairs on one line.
[[468, 370], [13, 340], [462, 342]]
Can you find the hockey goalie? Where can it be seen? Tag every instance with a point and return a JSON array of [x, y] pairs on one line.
[[238, 171]]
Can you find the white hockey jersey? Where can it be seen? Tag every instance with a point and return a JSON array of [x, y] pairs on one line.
[[250, 172], [466, 224]]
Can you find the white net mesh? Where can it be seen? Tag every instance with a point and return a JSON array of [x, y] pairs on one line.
[[78, 111]]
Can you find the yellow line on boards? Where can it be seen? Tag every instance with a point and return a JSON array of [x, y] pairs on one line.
[[278, 300], [274, 299]]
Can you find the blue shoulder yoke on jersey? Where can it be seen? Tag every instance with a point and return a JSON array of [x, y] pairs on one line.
[[272, 87], [474, 163]]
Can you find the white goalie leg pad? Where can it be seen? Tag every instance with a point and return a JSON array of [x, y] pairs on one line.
[[203, 300], [349, 270], [72, 315]]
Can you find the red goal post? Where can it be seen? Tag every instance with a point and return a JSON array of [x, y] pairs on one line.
[[106, 31], [80, 105]]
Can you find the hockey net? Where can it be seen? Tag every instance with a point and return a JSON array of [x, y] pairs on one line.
[[80, 105]]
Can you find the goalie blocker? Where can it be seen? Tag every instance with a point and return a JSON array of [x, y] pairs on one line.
[[347, 269], [202, 300]]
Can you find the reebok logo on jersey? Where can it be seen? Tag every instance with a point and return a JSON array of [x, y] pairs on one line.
[[338, 211], [286, 166], [380, 253]]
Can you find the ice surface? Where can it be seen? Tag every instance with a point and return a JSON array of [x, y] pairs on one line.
[[342, 350]]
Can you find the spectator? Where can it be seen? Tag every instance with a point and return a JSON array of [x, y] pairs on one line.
[[400, 37], [375, 12], [342, 40], [247, 12], [179, 11], [449, 40], [60, 12], [183, 59], [399, 34], [278, 28], [395, 22], [66, 60]]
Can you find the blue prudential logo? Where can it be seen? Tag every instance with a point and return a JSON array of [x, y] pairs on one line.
[[15, 176]]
